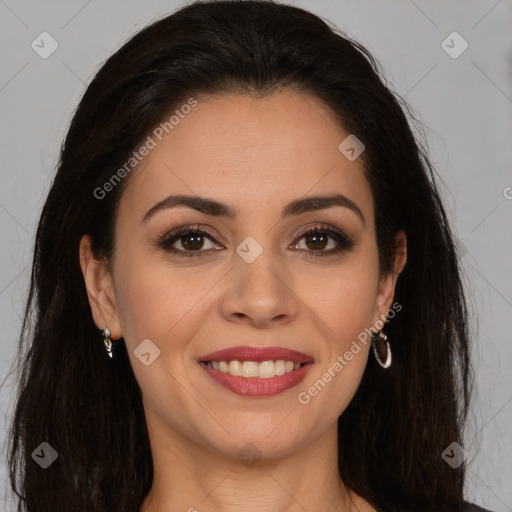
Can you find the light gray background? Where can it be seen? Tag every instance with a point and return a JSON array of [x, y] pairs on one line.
[[465, 103]]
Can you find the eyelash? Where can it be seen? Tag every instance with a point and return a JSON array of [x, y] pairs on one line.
[[166, 239]]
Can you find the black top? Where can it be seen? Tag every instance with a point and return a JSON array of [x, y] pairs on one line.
[[474, 508], [470, 507]]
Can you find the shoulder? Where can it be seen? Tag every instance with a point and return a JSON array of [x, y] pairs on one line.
[[469, 507]]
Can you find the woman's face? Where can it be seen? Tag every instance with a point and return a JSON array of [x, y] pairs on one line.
[[254, 278]]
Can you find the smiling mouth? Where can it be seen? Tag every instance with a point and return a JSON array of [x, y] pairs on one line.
[[241, 378], [256, 371], [253, 369]]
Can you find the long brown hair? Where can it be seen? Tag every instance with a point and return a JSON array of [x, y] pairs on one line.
[[89, 408]]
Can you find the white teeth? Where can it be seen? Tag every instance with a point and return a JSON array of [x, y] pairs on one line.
[[280, 367], [289, 366], [250, 369], [267, 370], [235, 368], [263, 370]]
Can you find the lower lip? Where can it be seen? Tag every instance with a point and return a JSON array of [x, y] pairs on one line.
[[254, 386]]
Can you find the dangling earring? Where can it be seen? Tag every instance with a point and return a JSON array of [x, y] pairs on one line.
[[379, 344], [107, 341]]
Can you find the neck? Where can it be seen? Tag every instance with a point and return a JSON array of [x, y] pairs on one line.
[[195, 478]]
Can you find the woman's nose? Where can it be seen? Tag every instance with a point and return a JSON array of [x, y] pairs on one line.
[[260, 291]]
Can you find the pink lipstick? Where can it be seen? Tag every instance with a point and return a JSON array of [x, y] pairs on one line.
[[256, 371]]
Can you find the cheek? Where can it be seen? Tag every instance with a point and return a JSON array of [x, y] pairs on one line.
[[150, 298], [342, 300], [167, 308], [343, 304], [154, 302]]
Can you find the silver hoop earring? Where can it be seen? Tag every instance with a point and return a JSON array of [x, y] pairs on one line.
[[107, 342], [379, 345]]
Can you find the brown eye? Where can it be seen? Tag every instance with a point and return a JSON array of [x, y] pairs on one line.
[[316, 241], [192, 242], [324, 241], [188, 241]]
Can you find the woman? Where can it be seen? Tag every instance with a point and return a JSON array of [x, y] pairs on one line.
[[245, 292]]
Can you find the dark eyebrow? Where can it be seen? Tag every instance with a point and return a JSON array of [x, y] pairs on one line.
[[201, 204], [216, 209], [313, 203]]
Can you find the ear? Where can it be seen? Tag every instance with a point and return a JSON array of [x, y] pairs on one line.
[[387, 282], [100, 289]]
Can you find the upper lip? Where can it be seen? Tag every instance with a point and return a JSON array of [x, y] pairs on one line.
[[257, 354]]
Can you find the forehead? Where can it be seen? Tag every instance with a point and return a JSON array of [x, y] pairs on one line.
[[252, 151]]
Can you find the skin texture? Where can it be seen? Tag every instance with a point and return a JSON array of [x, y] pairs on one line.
[[256, 154]]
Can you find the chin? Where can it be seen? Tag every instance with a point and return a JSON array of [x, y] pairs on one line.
[[265, 437]]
